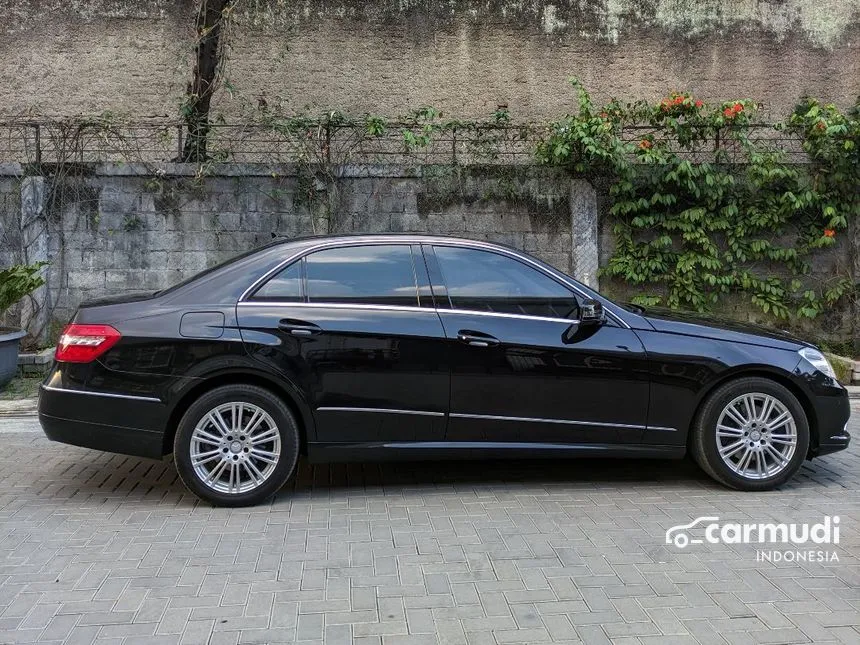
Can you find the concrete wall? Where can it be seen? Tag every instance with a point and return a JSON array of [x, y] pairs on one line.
[[463, 56], [117, 230]]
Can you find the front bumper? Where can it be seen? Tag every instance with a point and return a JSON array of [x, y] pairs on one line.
[[832, 411], [125, 425]]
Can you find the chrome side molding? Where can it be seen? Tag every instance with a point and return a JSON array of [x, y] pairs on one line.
[[423, 413], [109, 395]]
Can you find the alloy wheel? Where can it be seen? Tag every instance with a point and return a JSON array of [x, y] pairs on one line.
[[756, 435], [235, 447]]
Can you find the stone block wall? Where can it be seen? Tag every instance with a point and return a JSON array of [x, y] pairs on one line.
[[121, 228]]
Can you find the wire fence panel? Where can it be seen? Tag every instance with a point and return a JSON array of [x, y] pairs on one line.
[[90, 141]]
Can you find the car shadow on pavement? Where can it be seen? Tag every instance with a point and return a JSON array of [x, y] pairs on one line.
[[90, 473], [495, 472], [114, 476]]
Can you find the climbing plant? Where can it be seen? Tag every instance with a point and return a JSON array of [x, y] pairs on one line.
[[703, 209]]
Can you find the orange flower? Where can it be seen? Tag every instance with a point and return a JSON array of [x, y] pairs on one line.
[[679, 100], [728, 112], [829, 232], [699, 103], [645, 144]]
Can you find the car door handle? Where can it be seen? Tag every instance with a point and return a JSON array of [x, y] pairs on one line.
[[477, 339], [299, 327]]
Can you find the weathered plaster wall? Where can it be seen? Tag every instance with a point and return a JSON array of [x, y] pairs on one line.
[[467, 57], [69, 57], [464, 56]]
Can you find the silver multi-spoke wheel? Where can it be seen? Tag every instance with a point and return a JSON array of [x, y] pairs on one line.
[[235, 447], [756, 435]]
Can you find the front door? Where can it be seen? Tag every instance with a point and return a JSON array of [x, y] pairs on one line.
[[354, 328], [522, 371]]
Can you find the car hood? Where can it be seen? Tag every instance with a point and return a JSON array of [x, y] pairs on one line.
[[709, 326]]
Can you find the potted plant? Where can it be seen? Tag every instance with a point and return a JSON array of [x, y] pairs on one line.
[[15, 282]]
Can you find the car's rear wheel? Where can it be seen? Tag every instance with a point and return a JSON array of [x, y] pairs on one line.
[[751, 434], [236, 445]]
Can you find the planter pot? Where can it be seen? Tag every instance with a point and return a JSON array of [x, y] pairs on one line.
[[9, 353]]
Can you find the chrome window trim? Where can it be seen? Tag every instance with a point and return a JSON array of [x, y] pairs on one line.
[[473, 312], [109, 395], [336, 305], [484, 246], [346, 305], [423, 413]]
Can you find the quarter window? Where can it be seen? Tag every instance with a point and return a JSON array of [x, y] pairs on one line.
[[382, 275], [485, 281], [286, 286]]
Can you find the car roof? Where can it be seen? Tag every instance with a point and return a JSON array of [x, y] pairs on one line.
[[373, 237]]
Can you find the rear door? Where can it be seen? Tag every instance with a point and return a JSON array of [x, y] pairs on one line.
[[522, 371], [354, 328]]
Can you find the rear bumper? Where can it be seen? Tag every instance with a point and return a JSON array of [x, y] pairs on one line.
[[89, 420]]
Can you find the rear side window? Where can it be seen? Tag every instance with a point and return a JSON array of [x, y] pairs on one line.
[[485, 281], [286, 286], [378, 275]]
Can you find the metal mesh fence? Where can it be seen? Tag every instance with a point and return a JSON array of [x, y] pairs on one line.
[[399, 143]]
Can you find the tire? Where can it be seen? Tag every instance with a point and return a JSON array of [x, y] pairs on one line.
[[763, 441], [250, 467]]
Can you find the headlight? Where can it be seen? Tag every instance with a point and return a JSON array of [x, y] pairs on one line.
[[817, 360]]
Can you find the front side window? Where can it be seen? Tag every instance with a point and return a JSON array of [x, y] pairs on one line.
[[485, 281], [379, 275]]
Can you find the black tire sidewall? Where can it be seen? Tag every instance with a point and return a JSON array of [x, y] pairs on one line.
[[708, 428], [287, 429]]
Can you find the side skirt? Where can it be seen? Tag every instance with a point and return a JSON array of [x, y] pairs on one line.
[[444, 450]]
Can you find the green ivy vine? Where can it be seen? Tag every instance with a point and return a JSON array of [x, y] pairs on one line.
[[704, 207]]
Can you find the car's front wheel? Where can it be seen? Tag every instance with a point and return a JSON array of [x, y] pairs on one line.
[[751, 434], [236, 445]]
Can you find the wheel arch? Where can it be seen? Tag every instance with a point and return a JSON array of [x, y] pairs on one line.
[[778, 376], [299, 409]]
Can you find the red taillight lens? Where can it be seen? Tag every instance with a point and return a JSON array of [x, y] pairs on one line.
[[85, 343]]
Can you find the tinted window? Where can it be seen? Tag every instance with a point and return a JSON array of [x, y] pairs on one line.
[[380, 275], [485, 281], [286, 285]]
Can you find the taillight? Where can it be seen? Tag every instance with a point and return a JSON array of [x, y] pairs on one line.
[[85, 343]]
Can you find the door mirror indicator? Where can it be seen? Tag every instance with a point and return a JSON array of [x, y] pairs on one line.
[[591, 313]]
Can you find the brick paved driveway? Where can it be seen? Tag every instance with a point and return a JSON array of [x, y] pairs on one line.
[[105, 548]]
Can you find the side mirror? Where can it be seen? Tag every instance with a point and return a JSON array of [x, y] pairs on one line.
[[591, 313]]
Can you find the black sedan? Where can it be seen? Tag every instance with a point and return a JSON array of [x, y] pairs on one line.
[[410, 346]]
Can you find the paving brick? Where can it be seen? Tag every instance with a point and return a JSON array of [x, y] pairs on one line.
[[103, 548]]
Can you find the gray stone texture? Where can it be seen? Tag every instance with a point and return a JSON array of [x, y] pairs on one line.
[[122, 228]]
